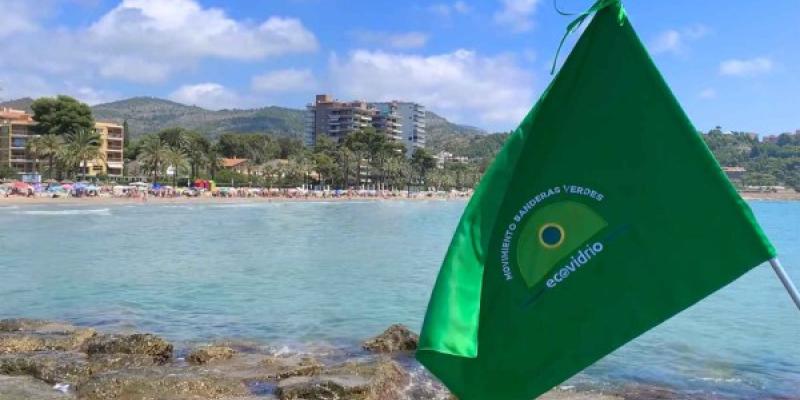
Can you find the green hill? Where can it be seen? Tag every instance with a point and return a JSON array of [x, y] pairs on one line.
[[148, 114]]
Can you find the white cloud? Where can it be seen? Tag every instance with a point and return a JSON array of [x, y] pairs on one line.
[[746, 67], [208, 95], [461, 84], [708, 93], [18, 16], [146, 41], [285, 80], [135, 69], [675, 40], [405, 40], [450, 9], [517, 14]]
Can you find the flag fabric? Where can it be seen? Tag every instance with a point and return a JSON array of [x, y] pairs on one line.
[[603, 215]]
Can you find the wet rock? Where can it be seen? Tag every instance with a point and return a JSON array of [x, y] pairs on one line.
[[107, 362], [382, 379], [28, 388], [137, 343], [51, 367], [323, 388], [24, 335], [208, 354], [561, 394], [160, 383], [285, 367], [396, 338]]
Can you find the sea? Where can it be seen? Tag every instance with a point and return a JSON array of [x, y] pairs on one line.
[[300, 273]]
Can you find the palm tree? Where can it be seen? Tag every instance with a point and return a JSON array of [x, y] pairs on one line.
[[34, 149], [49, 147], [175, 158], [152, 154], [84, 145]]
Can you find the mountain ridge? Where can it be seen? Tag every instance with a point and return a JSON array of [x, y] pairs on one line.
[[147, 114]]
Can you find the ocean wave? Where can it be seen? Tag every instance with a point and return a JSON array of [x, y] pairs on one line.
[[100, 211]]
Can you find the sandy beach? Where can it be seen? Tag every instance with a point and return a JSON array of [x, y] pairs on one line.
[[110, 200]]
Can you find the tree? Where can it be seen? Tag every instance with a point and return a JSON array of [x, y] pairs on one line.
[[197, 151], [176, 159], [84, 145], [152, 153], [126, 135], [49, 146], [7, 172], [34, 149], [62, 115], [422, 162]]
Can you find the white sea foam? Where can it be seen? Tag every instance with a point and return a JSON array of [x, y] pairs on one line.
[[100, 211], [62, 387]]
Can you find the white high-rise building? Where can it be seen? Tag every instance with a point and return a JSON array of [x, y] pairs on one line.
[[411, 118]]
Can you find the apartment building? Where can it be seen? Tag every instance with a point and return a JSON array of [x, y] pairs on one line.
[[112, 145], [16, 128], [401, 121], [335, 119], [411, 120]]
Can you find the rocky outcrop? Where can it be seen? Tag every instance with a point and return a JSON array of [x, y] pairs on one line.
[[26, 335], [51, 367], [288, 366], [160, 383], [207, 354], [136, 344], [38, 357], [28, 388], [396, 338], [382, 379]]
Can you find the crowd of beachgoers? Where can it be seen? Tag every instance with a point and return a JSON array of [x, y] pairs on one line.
[[141, 191]]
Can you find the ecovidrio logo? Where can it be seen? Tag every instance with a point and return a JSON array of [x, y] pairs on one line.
[[553, 235]]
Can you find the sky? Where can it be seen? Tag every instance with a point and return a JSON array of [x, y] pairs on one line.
[[732, 63]]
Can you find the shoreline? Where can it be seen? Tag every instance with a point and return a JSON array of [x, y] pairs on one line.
[[106, 200], [42, 359]]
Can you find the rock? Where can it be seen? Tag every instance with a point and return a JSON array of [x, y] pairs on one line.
[[323, 388], [107, 362], [170, 383], [25, 335], [285, 367], [137, 343], [51, 367], [28, 388], [208, 354], [383, 379], [396, 338]]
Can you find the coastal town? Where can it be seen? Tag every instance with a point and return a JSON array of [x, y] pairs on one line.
[[348, 149], [379, 148]]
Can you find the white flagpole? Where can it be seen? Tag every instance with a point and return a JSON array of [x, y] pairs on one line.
[[787, 282]]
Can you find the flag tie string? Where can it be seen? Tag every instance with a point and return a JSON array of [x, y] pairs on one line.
[[576, 23]]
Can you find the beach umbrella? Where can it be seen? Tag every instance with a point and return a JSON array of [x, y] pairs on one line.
[[21, 186]]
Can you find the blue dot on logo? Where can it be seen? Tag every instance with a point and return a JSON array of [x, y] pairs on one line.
[[551, 235]]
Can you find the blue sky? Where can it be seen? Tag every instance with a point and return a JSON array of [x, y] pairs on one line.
[[484, 63]]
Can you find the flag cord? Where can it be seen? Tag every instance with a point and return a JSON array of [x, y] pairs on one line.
[[577, 22], [787, 282]]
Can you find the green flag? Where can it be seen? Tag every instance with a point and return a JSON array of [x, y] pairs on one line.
[[603, 215]]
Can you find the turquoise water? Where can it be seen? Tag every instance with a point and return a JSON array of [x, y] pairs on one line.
[[295, 273]]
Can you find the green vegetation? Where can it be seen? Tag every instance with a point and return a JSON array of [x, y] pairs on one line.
[[769, 162], [62, 115]]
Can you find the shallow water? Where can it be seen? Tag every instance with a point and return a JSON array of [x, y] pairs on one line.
[[295, 273]]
